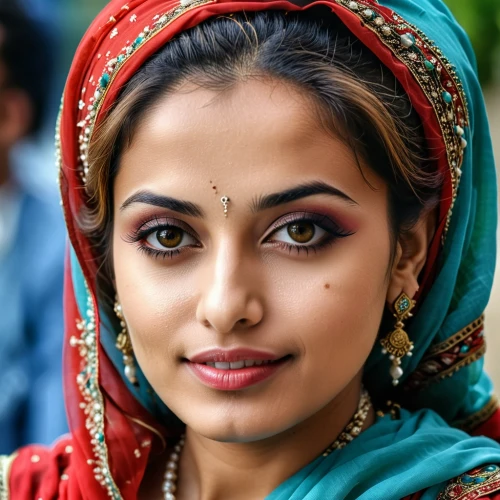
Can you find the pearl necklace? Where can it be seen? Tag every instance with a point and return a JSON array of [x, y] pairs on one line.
[[351, 431]]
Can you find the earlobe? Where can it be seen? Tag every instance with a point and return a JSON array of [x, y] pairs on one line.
[[411, 255]]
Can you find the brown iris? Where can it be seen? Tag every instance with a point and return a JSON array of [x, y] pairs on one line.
[[301, 232], [169, 238]]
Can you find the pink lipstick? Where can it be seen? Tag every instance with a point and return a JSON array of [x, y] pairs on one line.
[[234, 369]]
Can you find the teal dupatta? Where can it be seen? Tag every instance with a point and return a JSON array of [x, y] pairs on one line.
[[394, 459]]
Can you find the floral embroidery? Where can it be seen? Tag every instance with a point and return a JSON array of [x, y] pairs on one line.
[[448, 357], [474, 484]]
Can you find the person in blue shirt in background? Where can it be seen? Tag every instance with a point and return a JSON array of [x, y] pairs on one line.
[[32, 240]]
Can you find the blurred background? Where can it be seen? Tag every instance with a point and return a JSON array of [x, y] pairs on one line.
[[61, 23]]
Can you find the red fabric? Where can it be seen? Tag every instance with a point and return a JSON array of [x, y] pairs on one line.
[[63, 475], [490, 428]]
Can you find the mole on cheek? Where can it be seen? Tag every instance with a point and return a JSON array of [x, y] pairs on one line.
[[327, 286]]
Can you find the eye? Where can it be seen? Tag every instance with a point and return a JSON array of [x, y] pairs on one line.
[[169, 238], [300, 232]]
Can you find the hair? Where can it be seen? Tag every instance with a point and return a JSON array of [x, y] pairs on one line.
[[25, 50], [357, 99]]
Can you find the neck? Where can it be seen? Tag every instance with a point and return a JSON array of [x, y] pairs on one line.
[[211, 470]]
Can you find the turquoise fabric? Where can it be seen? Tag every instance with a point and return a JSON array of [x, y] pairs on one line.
[[462, 288], [390, 460], [395, 458]]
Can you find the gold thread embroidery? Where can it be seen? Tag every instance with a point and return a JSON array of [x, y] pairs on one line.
[[92, 400], [112, 69], [456, 338], [473, 484], [448, 357], [429, 71]]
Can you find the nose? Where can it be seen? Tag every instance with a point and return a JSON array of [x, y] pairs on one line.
[[230, 299]]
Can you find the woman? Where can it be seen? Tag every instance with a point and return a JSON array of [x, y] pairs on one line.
[[259, 196]]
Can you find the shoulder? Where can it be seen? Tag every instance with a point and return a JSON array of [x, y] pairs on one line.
[[35, 471]]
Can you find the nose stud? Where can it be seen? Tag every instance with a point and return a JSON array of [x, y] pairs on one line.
[[225, 202]]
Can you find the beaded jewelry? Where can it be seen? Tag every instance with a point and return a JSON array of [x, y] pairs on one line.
[[397, 343], [350, 432], [124, 345]]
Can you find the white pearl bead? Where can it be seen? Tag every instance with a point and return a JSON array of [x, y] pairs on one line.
[[396, 372], [169, 496], [130, 373], [169, 486], [171, 465], [170, 475]]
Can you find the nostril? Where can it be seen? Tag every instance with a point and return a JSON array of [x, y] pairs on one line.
[[243, 321]]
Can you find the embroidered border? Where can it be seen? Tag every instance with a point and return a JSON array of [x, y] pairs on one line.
[[473, 484], [448, 357], [480, 417], [5, 464], [112, 68], [92, 402], [435, 75]]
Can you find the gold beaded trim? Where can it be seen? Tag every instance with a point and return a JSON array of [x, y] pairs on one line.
[[112, 69], [473, 421], [434, 73], [5, 464], [457, 337], [92, 403], [446, 358]]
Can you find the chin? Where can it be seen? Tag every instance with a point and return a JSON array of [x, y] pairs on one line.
[[235, 425]]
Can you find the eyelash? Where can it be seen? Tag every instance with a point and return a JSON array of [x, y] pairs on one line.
[[333, 232]]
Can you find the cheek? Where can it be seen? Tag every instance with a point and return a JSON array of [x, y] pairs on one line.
[[337, 306], [156, 301]]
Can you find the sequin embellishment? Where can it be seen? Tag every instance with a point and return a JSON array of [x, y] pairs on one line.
[[474, 484]]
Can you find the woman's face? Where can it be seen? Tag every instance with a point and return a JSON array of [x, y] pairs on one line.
[[291, 284]]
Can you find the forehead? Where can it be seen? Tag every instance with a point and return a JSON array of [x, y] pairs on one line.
[[252, 137]]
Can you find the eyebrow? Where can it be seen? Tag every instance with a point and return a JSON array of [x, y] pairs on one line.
[[149, 198], [297, 193], [259, 204]]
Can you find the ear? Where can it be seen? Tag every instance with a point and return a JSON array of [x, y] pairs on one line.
[[411, 255], [16, 115]]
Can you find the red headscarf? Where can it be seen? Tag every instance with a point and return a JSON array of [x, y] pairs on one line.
[[112, 435]]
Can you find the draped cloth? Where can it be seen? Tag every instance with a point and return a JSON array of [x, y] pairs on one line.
[[114, 426]]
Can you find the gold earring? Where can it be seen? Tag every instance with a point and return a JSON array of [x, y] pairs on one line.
[[124, 345], [397, 343]]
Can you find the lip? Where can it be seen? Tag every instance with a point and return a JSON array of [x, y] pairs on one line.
[[234, 379], [232, 355]]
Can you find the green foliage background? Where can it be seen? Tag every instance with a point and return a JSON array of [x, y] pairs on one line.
[[481, 21]]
